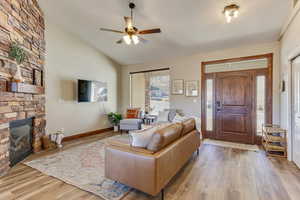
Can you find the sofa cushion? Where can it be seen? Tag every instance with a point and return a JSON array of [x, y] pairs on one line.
[[187, 126], [142, 138], [165, 136], [130, 121]]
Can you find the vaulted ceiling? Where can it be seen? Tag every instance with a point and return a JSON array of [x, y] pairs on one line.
[[188, 26]]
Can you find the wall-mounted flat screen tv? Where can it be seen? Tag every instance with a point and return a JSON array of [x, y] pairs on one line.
[[92, 91]]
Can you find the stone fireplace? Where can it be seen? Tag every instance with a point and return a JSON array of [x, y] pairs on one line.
[[22, 21]]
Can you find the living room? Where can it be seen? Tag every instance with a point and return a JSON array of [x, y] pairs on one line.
[[149, 99]]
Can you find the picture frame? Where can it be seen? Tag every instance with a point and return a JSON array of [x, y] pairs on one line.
[[178, 87], [192, 88], [38, 77]]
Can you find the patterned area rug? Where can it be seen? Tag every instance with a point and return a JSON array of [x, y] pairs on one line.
[[231, 145], [83, 167]]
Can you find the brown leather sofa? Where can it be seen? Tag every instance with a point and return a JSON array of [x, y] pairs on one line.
[[150, 169]]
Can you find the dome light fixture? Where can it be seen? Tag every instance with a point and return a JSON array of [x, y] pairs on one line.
[[231, 11]]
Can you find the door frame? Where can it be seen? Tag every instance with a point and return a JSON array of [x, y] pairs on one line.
[[291, 114], [268, 72], [288, 78]]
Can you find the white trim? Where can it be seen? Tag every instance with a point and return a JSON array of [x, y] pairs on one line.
[[295, 11], [289, 115], [294, 54]]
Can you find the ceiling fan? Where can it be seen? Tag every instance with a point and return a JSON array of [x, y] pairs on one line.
[[132, 34]]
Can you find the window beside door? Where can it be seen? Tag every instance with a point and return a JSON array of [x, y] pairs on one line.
[[260, 103], [209, 104]]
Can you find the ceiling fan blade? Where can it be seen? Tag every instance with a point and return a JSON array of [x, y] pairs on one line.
[[142, 40], [150, 31], [120, 41], [111, 30], [128, 22]]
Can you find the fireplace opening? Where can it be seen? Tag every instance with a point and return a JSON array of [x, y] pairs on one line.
[[20, 140]]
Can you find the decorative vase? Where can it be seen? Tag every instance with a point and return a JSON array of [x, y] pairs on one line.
[[116, 128], [47, 143], [58, 138], [18, 76]]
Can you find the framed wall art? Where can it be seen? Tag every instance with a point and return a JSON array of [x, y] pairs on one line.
[[38, 77], [192, 88], [178, 87]]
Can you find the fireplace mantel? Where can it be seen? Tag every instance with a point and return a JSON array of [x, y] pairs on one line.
[[25, 88]]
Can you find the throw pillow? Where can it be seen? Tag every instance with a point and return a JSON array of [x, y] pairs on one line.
[[178, 118], [163, 116], [172, 113], [142, 138], [132, 113]]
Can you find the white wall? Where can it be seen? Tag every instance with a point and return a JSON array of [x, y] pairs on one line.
[[290, 44], [188, 68], [68, 59]]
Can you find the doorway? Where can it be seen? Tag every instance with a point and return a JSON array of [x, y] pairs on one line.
[[237, 98], [296, 110]]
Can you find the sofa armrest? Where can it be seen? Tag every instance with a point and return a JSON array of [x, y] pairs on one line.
[[135, 169]]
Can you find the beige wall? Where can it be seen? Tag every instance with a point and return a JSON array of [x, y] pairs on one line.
[[138, 90], [188, 68], [290, 45], [68, 59]]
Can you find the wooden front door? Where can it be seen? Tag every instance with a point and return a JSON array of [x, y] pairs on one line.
[[233, 106], [236, 96]]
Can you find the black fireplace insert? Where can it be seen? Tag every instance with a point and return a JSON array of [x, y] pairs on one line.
[[20, 140]]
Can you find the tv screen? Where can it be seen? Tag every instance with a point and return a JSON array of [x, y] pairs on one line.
[[92, 91]]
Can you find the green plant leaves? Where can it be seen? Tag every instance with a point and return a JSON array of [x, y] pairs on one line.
[[17, 53], [114, 118]]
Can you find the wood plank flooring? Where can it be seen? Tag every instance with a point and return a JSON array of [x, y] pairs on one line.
[[218, 173]]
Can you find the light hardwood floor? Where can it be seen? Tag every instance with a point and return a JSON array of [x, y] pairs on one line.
[[216, 174]]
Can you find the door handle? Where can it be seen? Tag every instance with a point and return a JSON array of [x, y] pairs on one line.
[[218, 104]]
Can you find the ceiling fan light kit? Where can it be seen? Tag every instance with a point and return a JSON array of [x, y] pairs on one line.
[[131, 33], [231, 11]]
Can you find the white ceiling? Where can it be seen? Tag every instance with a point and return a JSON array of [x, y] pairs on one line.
[[188, 26]]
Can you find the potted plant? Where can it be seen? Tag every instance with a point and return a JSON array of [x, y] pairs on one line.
[[114, 119], [18, 54]]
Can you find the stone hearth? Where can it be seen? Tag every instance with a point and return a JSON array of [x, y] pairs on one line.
[[20, 20]]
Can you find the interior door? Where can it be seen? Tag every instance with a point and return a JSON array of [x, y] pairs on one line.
[[234, 92], [296, 110]]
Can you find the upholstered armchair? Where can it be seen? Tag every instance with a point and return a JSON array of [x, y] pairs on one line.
[[133, 120]]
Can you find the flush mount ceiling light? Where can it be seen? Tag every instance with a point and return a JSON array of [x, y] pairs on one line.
[[231, 11]]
